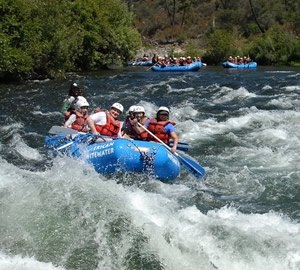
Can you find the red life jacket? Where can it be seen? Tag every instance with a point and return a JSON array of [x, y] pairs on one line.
[[80, 123], [67, 115], [144, 135], [157, 128], [111, 128]]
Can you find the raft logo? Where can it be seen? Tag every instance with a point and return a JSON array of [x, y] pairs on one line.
[[103, 146], [105, 152], [142, 149]]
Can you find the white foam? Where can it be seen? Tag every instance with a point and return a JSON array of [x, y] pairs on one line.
[[19, 262], [24, 150], [12, 127], [46, 113], [292, 88], [267, 87], [227, 94]]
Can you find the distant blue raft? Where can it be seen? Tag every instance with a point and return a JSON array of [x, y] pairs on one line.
[[119, 155], [232, 65], [195, 66], [141, 63]]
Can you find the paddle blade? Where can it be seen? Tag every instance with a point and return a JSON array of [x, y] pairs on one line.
[[62, 130], [193, 167]]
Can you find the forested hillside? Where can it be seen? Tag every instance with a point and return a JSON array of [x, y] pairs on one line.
[[47, 38], [267, 30], [50, 37]]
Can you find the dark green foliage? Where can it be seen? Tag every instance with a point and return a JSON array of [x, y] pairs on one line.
[[276, 47], [49, 38], [41, 38], [247, 21], [220, 45]]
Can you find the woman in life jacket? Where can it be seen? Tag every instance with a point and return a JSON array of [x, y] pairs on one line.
[[132, 129], [126, 124], [107, 123], [162, 128], [74, 93], [77, 117]]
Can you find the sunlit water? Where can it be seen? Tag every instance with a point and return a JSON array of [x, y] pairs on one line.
[[242, 127]]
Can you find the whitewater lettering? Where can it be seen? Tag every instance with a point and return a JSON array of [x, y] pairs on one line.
[[105, 152], [103, 146]]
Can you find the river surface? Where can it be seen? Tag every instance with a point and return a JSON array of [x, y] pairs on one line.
[[242, 126]]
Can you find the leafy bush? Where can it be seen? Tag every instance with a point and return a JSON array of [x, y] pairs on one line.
[[220, 46], [276, 46], [52, 37]]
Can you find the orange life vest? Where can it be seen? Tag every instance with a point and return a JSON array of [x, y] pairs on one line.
[[80, 123], [111, 128], [67, 115], [144, 135], [157, 128]]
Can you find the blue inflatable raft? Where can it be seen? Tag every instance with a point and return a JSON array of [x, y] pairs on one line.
[[141, 63], [119, 155], [195, 66], [232, 65]]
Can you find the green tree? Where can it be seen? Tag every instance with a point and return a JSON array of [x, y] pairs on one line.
[[220, 45], [275, 47], [51, 37]]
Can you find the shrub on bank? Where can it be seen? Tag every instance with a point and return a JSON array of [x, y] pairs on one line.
[[48, 38]]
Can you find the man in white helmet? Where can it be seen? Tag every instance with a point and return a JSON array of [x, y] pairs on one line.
[[162, 128], [107, 123], [77, 117]]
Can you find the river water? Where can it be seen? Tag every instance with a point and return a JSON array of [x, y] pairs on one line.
[[242, 126]]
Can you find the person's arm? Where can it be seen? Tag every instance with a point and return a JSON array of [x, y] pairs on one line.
[[172, 132], [175, 141], [70, 121], [91, 124], [66, 105], [137, 128]]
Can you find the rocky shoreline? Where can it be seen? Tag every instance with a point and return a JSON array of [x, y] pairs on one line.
[[159, 50]]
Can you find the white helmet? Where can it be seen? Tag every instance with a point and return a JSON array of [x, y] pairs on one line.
[[163, 109], [79, 102], [131, 109], [118, 106], [138, 109]]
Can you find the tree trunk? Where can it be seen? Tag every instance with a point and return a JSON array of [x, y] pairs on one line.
[[171, 15], [223, 4], [183, 17], [255, 17], [174, 12]]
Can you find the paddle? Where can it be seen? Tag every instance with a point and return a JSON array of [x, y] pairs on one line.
[[189, 164], [68, 131], [181, 146], [70, 143], [63, 130]]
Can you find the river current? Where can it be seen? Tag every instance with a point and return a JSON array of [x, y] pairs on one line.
[[242, 126]]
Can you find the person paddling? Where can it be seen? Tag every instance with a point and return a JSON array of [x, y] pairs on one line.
[[162, 128]]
